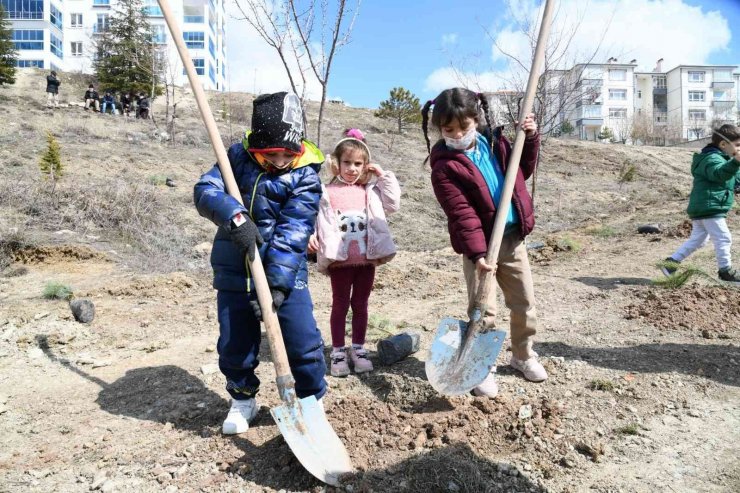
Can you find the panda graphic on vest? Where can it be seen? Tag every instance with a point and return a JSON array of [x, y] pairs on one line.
[[353, 226]]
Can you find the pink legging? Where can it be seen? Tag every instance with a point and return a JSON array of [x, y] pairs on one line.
[[357, 280]]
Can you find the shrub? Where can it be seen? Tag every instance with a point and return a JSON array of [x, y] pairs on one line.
[[57, 291], [628, 173], [601, 231], [629, 429], [598, 384]]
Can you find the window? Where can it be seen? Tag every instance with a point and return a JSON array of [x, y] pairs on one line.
[[160, 33], [211, 73], [56, 17], [659, 82], [101, 3], [617, 112], [56, 46], [75, 48], [28, 39], [696, 95], [200, 66], [194, 39], [211, 47], [722, 76], [24, 9], [193, 14], [618, 94], [721, 96], [151, 8], [698, 115], [75, 20], [639, 94], [30, 64], [617, 75], [696, 76], [103, 23]]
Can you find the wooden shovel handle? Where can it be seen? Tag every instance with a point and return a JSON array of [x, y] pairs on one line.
[[269, 316], [502, 211]]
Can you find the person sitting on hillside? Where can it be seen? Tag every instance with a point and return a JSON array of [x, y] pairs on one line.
[[109, 102], [126, 103], [92, 99], [143, 109], [52, 89]]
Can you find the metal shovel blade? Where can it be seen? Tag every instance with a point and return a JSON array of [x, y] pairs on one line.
[[312, 439], [456, 366]]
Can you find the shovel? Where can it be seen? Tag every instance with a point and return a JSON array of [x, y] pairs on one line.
[[301, 421], [463, 353]]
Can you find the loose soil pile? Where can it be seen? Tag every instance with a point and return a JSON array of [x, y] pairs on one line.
[[712, 311]]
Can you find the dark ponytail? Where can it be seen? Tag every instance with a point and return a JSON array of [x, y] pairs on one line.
[[425, 124]]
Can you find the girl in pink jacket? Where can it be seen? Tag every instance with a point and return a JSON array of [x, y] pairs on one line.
[[352, 237]]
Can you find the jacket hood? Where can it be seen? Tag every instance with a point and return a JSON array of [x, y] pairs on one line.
[[311, 156], [707, 151]]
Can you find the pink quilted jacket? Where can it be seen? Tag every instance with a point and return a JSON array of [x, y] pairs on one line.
[[383, 198]]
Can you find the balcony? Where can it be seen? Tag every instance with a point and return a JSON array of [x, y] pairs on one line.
[[723, 104], [660, 117], [723, 84], [101, 3]]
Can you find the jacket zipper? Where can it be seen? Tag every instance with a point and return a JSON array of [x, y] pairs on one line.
[[251, 206]]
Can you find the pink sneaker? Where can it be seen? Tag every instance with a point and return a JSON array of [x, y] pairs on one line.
[[530, 368], [339, 366], [489, 387], [360, 360]]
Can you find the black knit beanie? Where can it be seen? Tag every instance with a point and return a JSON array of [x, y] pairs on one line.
[[277, 123]]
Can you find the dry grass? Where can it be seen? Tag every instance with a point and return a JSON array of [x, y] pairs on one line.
[[135, 214]]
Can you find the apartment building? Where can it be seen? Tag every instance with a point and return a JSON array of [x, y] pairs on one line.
[[60, 35], [680, 104]]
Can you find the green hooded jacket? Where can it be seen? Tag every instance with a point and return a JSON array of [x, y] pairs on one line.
[[714, 174]]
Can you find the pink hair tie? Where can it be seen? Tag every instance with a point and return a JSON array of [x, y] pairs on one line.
[[355, 133]]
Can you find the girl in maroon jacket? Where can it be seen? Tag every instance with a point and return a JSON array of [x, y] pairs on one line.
[[468, 170]]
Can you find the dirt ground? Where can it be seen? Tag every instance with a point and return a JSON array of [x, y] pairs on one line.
[[644, 387]]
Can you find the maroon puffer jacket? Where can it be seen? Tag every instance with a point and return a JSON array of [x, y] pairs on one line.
[[464, 195]]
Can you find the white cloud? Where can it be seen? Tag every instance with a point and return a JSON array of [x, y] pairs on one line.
[[449, 39], [254, 66], [446, 77], [645, 30]]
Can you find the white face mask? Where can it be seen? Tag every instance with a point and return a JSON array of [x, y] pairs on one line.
[[464, 142]]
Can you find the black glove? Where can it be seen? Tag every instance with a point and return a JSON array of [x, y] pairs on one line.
[[246, 237], [278, 296]]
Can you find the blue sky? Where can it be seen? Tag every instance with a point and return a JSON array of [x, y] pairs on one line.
[[412, 43]]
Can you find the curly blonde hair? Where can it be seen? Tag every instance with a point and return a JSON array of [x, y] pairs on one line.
[[349, 144]]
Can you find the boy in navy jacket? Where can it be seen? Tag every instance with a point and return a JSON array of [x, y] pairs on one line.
[[277, 174]]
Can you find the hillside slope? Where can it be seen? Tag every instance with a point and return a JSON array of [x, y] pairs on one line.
[[644, 389]]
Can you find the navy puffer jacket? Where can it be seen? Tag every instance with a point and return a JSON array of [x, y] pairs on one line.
[[283, 206]]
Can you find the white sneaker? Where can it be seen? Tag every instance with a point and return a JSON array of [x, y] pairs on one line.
[[489, 387], [240, 414], [530, 368]]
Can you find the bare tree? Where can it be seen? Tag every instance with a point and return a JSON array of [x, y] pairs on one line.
[[559, 90], [320, 46], [273, 22]]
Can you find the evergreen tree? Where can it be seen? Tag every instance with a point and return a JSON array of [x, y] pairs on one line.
[[51, 161], [402, 106], [567, 128], [126, 58], [8, 55]]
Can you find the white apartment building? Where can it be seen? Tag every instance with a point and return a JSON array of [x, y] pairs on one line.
[[680, 104], [60, 34], [688, 99]]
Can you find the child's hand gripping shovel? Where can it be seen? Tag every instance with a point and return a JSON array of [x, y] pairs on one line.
[[463, 353], [301, 421]]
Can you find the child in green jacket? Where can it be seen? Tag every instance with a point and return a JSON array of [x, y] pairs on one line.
[[715, 172]]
